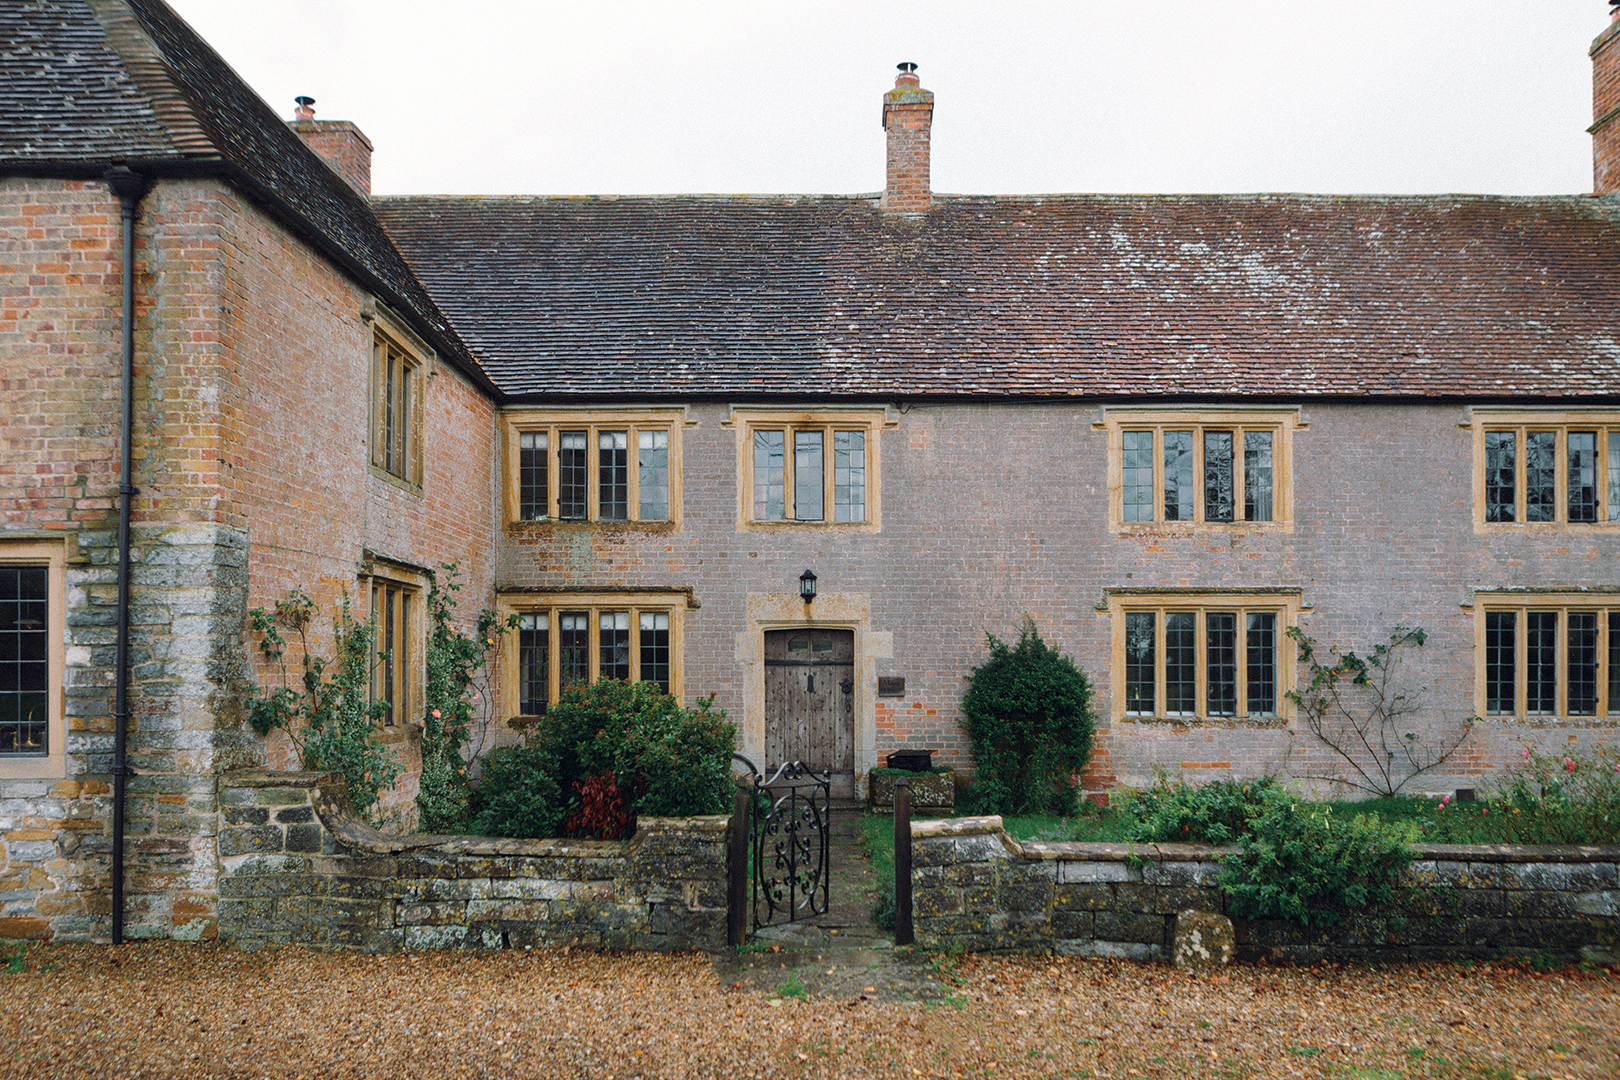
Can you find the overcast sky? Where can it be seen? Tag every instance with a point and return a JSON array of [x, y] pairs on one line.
[[635, 96]]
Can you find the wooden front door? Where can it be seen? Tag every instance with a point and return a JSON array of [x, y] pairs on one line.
[[810, 702]]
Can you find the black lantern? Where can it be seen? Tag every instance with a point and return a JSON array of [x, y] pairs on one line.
[[807, 586]]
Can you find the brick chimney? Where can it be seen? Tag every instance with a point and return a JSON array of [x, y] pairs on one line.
[[1605, 127], [341, 145], [908, 113]]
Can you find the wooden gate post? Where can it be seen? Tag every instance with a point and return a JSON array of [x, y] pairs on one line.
[[902, 862], [737, 892]]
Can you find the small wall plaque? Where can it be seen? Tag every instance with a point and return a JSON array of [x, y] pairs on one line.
[[891, 686]]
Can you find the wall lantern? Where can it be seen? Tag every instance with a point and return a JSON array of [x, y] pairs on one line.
[[807, 586]]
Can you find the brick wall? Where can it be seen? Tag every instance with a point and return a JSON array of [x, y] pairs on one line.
[[974, 887], [992, 511], [1605, 104], [251, 421]]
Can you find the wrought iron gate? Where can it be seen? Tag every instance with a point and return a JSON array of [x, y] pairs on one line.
[[788, 841]]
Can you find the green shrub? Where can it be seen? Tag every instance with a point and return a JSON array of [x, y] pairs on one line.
[[670, 761], [516, 796], [1300, 862], [1219, 812], [329, 716], [1028, 714], [660, 759], [454, 659]]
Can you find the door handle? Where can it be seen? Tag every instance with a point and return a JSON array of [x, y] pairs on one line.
[[809, 684]]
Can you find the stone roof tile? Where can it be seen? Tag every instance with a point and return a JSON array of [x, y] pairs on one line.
[[1086, 295]]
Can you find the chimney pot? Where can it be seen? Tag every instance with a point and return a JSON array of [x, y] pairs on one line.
[[305, 110]]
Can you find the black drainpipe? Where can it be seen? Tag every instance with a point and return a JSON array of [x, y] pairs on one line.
[[129, 187]]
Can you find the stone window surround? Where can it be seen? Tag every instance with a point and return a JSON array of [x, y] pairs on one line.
[[1281, 422], [390, 330], [53, 552], [829, 611], [1284, 602], [746, 420], [413, 582], [517, 421], [1481, 419], [673, 602], [1562, 601]]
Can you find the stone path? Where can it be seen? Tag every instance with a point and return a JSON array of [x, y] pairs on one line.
[[841, 954]]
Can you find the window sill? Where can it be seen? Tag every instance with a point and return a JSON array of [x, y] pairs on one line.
[[552, 524], [832, 526], [1205, 721], [1194, 528], [395, 481]]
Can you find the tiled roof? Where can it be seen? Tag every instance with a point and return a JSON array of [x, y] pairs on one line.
[[1086, 295], [96, 81]]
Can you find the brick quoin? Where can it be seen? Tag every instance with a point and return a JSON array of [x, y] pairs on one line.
[[1605, 127]]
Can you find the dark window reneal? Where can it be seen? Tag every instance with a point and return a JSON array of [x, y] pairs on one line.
[[1198, 474], [605, 641], [1225, 660], [25, 669], [607, 473], [1540, 660], [1561, 474]]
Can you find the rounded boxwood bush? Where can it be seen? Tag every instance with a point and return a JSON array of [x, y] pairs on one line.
[[1028, 714]]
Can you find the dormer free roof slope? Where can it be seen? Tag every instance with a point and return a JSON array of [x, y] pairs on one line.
[[1095, 296]]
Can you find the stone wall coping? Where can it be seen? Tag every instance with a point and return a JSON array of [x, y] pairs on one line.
[[1076, 851], [272, 778]]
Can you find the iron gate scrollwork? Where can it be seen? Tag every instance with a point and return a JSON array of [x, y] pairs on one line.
[[789, 839]]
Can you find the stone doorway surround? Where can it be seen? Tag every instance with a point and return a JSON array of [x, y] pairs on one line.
[[829, 611]]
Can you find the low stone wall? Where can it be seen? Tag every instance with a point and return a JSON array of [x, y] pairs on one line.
[[976, 888], [296, 864]]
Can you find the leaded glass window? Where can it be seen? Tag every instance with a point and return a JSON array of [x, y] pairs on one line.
[[574, 648], [613, 476], [1257, 476], [1583, 493], [24, 661], [614, 646], [573, 479], [1180, 487], [1218, 483], [1540, 476], [1141, 666], [1136, 475], [849, 476], [1501, 473], [1261, 643], [534, 467], [1541, 663], [770, 474], [1220, 633], [1501, 662], [534, 658], [1582, 661], [652, 464], [807, 479], [1181, 663], [655, 648]]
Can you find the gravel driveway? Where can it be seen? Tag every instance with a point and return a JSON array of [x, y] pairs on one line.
[[179, 1010]]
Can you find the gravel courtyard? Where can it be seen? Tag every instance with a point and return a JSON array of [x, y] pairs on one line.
[[179, 1010]]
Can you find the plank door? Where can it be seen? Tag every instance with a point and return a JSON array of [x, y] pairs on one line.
[[810, 702]]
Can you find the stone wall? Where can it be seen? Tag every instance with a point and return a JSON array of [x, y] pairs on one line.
[[298, 866], [976, 888]]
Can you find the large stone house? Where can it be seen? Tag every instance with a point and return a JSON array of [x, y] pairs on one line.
[[1167, 428]]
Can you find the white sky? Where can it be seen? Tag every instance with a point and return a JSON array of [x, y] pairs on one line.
[[637, 96]]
